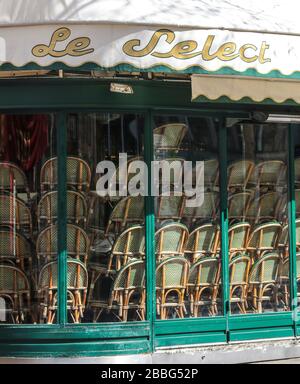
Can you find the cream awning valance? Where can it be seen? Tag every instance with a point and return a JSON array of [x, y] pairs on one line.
[[237, 88]]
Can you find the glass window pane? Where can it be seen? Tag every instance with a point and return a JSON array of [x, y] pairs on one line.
[[188, 262], [105, 230], [28, 246], [258, 217]]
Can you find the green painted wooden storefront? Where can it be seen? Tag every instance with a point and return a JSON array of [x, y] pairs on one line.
[[63, 96]]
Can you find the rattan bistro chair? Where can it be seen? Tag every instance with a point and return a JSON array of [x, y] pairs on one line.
[[203, 285], [128, 211], [130, 245], [284, 280], [238, 205], [15, 214], [170, 241], [77, 244], [12, 178], [169, 208], [77, 284], [169, 137], [203, 241], [238, 236], [210, 172], [239, 174], [78, 175], [127, 293], [15, 291], [264, 281], [47, 211], [270, 206], [264, 238], [284, 239], [171, 283], [268, 174], [16, 248], [207, 210], [239, 269]]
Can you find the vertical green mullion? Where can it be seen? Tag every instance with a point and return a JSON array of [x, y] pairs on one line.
[[224, 219], [292, 226], [150, 232], [62, 214]]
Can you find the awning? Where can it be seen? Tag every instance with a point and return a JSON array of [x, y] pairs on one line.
[[272, 16], [236, 89], [260, 38]]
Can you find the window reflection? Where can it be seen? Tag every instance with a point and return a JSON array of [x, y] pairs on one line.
[[258, 218], [114, 225], [188, 265], [26, 143]]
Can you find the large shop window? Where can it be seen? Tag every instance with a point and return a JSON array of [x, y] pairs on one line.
[[187, 238], [28, 246], [105, 234], [258, 218]]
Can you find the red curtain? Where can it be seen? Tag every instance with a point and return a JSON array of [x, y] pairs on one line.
[[24, 139]]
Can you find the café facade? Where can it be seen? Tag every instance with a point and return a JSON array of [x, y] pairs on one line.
[[88, 275]]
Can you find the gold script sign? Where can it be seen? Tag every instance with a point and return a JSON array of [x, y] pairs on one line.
[[185, 50], [76, 47]]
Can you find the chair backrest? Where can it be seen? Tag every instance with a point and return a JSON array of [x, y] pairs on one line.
[[169, 136], [265, 270], [47, 212], [14, 213], [13, 280], [78, 175], [169, 207], [77, 276], [130, 277], [172, 273], [77, 243], [129, 245], [238, 205], [12, 178], [204, 272], [238, 236], [239, 174], [203, 241], [265, 236], [206, 211], [239, 269], [267, 207], [170, 240], [268, 173], [13, 246], [129, 210]]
